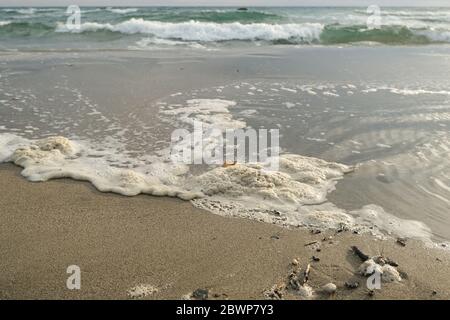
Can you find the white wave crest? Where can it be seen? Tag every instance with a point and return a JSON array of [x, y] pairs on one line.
[[26, 11], [435, 35], [207, 31], [152, 43], [122, 11]]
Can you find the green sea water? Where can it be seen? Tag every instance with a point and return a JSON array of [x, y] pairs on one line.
[[141, 28]]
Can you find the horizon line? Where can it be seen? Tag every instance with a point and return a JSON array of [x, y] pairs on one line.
[[222, 6]]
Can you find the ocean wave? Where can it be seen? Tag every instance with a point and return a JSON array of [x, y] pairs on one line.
[[26, 11], [435, 35], [152, 43], [337, 34], [411, 13], [207, 31], [409, 33], [122, 11], [279, 33], [222, 16], [25, 29]]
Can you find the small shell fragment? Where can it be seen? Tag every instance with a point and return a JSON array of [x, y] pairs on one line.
[[329, 288]]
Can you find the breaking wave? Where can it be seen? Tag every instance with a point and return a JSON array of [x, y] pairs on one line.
[[122, 11], [207, 31], [289, 33], [324, 26]]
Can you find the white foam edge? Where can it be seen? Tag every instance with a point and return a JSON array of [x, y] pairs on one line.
[[53, 161]]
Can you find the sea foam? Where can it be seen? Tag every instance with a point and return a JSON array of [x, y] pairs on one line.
[[122, 11], [58, 157], [295, 195]]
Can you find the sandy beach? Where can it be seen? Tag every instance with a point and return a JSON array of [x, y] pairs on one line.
[[93, 119], [121, 242]]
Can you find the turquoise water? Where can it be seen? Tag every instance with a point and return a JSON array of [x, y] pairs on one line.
[[144, 28]]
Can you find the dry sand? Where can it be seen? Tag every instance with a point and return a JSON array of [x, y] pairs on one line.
[[121, 242]]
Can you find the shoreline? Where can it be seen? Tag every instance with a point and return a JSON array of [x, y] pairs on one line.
[[121, 242]]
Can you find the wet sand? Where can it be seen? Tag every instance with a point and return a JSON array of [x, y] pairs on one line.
[[120, 242]]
